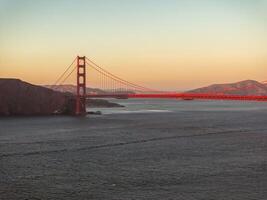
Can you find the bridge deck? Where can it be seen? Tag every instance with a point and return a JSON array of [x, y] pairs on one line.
[[181, 96]]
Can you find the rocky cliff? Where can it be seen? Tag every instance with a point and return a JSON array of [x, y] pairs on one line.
[[20, 98]]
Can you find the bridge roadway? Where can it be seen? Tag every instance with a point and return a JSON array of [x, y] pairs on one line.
[[185, 96]]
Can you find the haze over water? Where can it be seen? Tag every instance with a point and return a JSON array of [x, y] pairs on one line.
[[151, 149]]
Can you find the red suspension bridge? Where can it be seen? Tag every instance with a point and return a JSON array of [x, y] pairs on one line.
[[108, 85]]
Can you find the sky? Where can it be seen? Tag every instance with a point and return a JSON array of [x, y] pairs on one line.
[[161, 44]]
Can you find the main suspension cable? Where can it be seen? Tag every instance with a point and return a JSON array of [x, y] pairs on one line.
[[133, 84], [56, 87], [113, 78], [62, 75]]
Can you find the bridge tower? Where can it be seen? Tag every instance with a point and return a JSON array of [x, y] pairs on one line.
[[81, 86]]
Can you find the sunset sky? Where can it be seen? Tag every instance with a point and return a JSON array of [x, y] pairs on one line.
[[163, 44]]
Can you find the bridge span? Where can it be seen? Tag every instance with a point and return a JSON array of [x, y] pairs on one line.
[[112, 86], [184, 96]]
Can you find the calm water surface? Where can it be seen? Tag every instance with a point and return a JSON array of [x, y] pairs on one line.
[[150, 149]]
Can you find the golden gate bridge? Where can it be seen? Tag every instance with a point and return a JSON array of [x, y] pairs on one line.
[[113, 86]]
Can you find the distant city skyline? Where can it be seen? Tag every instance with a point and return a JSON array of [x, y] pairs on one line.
[[163, 44]]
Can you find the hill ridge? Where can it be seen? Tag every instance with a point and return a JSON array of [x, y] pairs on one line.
[[245, 87]]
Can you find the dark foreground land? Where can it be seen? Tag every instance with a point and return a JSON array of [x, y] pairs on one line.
[[19, 98], [177, 155]]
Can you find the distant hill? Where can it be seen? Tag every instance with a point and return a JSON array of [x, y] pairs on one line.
[[72, 89], [247, 87]]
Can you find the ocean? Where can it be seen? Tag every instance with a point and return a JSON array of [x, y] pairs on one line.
[[150, 149]]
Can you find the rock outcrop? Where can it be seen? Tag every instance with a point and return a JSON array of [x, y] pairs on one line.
[[100, 103]]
